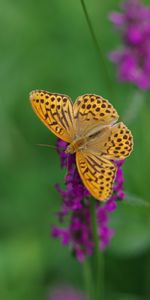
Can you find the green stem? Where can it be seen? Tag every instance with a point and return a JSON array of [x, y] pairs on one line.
[[147, 268], [98, 48], [98, 257], [88, 279]]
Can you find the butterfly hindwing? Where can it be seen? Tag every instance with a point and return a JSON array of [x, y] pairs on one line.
[[97, 174], [114, 142], [120, 143], [55, 111]]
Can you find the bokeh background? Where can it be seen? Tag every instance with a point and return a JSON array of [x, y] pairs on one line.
[[47, 45]]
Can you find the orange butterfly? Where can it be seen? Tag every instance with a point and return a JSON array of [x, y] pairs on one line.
[[88, 127]]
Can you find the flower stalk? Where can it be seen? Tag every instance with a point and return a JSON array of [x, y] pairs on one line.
[[87, 233], [98, 257], [88, 279]]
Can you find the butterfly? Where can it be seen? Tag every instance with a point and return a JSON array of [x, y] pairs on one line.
[[90, 129]]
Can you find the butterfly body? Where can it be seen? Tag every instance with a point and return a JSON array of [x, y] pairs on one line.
[[77, 145], [88, 126]]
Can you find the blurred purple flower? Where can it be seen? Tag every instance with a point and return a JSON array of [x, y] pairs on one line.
[[66, 293], [133, 58], [76, 205]]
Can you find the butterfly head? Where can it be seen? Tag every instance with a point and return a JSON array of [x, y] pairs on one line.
[[70, 149], [76, 145]]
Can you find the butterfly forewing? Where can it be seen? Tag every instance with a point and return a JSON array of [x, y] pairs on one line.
[[55, 111], [91, 112], [97, 174]]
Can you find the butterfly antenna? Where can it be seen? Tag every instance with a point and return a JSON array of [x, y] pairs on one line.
[[48, 146]]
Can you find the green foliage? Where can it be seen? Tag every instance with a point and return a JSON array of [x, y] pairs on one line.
[[47, 45]]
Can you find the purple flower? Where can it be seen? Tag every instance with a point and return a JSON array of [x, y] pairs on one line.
[[66, 293], [134, 55], [76, 205]]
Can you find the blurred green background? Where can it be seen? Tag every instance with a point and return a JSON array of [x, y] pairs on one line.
[[47, 45]]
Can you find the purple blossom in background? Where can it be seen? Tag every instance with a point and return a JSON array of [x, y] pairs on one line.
[[133, 57], [66, 293], [76, 205]]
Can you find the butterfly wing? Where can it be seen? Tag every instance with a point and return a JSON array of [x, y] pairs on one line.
[[114, 142], [55, 111], [97, 174], [92, 112]]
